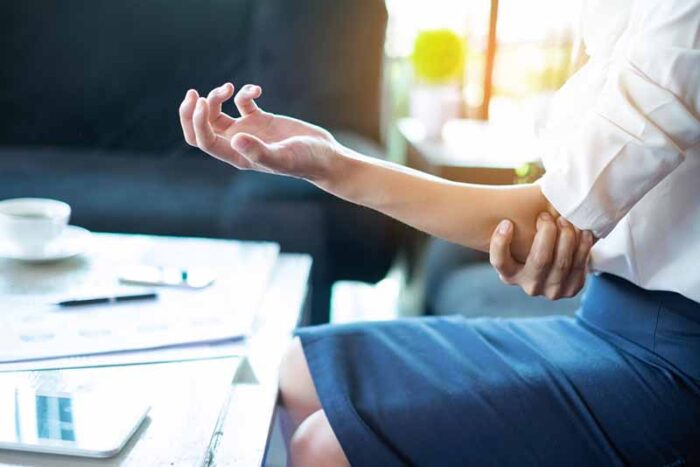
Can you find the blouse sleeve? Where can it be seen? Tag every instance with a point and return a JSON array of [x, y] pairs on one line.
[[642, 124]]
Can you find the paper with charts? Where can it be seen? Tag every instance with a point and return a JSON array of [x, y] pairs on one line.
[[32, 327]]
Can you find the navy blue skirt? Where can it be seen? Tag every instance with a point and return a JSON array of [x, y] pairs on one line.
[[619, 384]]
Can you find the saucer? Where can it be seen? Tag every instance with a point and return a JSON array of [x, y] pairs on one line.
[[73, 241]]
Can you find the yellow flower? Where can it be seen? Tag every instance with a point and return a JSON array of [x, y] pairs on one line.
[[438, 56]]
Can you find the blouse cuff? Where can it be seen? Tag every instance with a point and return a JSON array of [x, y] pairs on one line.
[[556, 187]]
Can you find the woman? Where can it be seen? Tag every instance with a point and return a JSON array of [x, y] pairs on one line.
[[620, 383]]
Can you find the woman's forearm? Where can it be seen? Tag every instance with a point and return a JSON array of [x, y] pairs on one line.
[[462, 213]]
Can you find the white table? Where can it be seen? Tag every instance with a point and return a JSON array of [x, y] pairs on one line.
[[206, 412]]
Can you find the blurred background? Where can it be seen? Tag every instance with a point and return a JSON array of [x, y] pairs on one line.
[[90, 91], [531, 50]]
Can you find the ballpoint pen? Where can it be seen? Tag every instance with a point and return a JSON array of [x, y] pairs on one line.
[[108, 300]]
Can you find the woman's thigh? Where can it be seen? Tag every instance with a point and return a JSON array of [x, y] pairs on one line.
[[297, 390]]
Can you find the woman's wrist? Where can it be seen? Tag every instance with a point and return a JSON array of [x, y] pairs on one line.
[[341, 174], [370, 182]]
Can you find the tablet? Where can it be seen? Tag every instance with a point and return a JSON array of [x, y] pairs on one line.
[[86, 423]]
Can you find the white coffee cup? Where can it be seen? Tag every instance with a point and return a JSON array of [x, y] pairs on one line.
[[31, 224]]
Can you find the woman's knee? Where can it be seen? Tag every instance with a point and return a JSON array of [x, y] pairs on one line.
[[297, 390], [315, 444]]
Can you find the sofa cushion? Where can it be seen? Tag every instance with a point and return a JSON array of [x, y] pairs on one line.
[[321, 60], [110, 74], [123, 192]]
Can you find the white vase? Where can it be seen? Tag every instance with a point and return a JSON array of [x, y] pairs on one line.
[[435, 105]]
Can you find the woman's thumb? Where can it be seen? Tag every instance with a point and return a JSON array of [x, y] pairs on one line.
[[251, 147]]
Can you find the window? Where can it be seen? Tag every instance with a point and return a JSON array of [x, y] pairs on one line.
[[534, 42]]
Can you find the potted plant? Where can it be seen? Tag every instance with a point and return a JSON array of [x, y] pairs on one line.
[[438, 63]]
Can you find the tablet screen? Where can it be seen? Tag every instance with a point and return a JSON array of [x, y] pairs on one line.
[[94, 424]]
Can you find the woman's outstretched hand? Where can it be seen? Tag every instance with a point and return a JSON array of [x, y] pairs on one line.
[[459, 212], [556, 265], [256, 140]]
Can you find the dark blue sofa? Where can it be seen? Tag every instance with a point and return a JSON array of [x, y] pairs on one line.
[[89, 92]]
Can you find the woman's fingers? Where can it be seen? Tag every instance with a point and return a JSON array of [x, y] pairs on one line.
[[563, 259], [582, 252], [215, 99], [579, 267], [539, 260], [556, 265], [186, 110], [499, 252], [245, 99], [218, 96], [211, 143], [204, 133]]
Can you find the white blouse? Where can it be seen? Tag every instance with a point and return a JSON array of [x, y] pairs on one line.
[[622, 142]]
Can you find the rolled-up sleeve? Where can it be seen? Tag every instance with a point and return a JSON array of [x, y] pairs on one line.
[[642, 124]]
